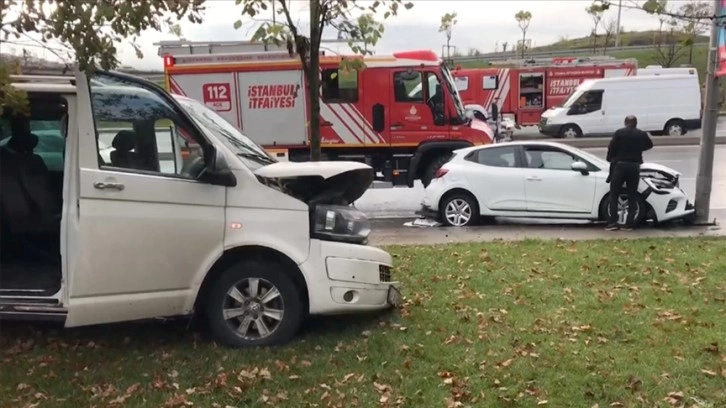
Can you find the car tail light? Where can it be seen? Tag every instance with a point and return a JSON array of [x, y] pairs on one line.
[[441, 172]]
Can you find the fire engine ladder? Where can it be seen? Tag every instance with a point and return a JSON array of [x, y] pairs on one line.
[[184, 47], [593, 61]]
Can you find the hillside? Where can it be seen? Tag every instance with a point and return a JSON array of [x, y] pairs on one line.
[[629, 38]]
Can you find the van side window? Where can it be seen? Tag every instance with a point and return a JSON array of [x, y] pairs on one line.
[[340, 85], [137, 130], [408, 87], [589, 101]]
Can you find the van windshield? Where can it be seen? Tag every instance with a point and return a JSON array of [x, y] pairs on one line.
[[251, 154], [574, 96]]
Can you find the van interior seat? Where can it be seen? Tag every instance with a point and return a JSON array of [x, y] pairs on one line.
[[28, 205], [123, 156]]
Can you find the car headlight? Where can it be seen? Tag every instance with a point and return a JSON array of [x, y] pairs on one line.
[[341, 223]]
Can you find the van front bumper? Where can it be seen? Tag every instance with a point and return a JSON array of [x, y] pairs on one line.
[[549, 130], [347, 278]]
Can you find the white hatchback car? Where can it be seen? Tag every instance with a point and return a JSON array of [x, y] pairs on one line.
[[535, 179]]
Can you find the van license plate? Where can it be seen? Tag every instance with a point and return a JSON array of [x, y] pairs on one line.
[[394, 297]]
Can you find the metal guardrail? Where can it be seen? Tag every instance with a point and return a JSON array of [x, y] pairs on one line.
[[501, 56]]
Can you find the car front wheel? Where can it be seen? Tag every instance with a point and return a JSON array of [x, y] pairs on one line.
[[640, 209], [254, 304], [459, 210]]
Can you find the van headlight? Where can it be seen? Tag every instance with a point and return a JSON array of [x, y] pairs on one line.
[[341, 223]]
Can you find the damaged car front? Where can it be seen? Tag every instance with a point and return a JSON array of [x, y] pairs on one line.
[[664, 194]]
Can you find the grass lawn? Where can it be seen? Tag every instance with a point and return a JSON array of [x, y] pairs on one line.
[[637, 323]]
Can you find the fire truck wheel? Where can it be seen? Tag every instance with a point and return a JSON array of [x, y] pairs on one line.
[[570, 131], [439, 160]]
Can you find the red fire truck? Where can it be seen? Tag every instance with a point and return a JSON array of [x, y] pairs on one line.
[[401, 113], [526, 88]]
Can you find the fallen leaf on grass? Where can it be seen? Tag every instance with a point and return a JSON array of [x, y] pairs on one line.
[[712, 348], [674, 398], [709, 373], [178, 401]]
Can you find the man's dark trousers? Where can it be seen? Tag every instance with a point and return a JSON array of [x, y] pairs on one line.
[[629, 174]]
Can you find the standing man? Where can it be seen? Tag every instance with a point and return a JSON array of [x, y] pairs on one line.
[[625, 154]]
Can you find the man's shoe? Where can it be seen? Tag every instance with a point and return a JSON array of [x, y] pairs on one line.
[[626, 228], [612, 227]]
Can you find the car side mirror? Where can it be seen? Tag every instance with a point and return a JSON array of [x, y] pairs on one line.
[[218, 171], [581, 167]]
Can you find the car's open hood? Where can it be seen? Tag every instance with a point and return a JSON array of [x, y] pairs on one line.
[[662, 176], [659, 168], [329, 182]]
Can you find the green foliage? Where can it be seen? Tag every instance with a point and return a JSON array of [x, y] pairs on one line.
[[448, 21], [357, 24], [523, 18], [88, 31]]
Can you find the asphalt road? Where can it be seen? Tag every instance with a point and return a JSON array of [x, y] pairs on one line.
[[402, 202]]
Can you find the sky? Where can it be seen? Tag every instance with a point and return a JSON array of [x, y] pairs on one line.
[[482, 24]]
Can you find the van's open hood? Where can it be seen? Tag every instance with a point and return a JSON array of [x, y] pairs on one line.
[[329, 182]]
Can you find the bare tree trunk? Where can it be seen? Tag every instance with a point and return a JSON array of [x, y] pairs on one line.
[[524, 37], [314, 80]]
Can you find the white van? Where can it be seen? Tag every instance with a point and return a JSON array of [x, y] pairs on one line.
[[182, 214], [652, 70], [669, 104]]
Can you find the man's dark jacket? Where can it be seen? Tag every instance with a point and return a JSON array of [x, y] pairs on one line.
[[628, 145]]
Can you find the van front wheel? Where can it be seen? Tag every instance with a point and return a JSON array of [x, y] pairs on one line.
[[570, 131], [253, 304]]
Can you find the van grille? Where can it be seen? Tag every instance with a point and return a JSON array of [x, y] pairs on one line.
[[384, 273]]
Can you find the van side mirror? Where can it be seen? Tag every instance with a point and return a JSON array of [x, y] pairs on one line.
[[218, 171], [581, 167], [379, 118]]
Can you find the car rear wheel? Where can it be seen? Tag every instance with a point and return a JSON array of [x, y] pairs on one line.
[[640, 210], [459, 210], [254, 304]]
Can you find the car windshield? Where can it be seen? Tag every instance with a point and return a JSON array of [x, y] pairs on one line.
[[250, 153], [590, 157], [451, 85]]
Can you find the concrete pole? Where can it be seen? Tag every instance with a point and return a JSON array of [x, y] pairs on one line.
[[617, 29], [704, 178]]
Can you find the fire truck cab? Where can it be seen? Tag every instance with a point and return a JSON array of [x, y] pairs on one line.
[[524, 89], [401, 113]]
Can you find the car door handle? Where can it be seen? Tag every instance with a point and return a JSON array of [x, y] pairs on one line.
[[534, 178], [108, 186]]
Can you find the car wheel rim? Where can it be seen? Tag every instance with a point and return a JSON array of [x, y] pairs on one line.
[[570, 132], [675, 130], [253, 308], [623, 209], [458, 212]]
